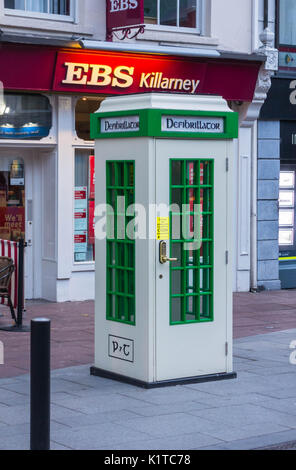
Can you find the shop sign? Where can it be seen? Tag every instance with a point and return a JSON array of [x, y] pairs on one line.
[[113, 73], [121, 348], [122, 13], [83, 71], [192, 124]]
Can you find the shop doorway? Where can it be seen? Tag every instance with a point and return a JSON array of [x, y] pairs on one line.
[[21, 200]]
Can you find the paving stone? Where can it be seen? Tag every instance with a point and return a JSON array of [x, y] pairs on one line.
[[98, 437]]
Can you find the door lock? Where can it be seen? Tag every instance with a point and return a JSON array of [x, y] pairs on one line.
[[163, 258]]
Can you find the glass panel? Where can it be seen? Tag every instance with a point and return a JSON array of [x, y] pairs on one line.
[[84, 108], [195, 256], [37, 5], [176, 309], [12, 199], [150, 11], [120, 176], [84, 206], [168, 12], [14, 4], [26, 117], [287, 20], [187, 13], [177, 283], [177, 173], [57, 7]]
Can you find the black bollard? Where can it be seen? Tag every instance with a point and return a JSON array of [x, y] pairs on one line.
[[40, 384]]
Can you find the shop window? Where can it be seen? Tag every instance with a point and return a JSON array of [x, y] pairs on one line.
[[53, 7], [287, 22], [178, 13], [25, 116], [12, 198], [84, 108], [84, 207]]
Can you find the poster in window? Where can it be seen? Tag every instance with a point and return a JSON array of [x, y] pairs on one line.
[[287, 179], [80, 245], [81, 197], [286, 237], [92, 177], [286, 218], [80, 220], [286, 199], [17, 177], [91, 223]]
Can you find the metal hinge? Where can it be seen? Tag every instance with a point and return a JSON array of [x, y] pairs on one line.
[[227, 164], [226, 349], [227, 257]]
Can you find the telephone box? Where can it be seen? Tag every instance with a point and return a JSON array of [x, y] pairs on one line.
[[163, 309]]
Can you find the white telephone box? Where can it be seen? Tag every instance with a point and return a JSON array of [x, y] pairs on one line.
[[163, 310]]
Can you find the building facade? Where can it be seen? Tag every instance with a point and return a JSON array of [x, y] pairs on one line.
[[58, 64], [276, 187]]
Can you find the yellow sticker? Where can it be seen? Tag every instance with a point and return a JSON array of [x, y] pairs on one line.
[[163, 228]]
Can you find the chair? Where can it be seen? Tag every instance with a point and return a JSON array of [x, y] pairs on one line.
[[6, 271]]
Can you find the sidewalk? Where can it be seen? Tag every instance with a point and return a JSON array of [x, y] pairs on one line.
[[73, 327], [256, 410]]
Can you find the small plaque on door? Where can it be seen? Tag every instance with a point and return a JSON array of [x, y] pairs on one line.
[[163, 228], [121, 348]]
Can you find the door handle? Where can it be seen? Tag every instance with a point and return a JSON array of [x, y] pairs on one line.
[[163, 258]]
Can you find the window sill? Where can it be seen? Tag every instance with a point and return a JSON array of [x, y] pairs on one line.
[[88, 266], [166, 34], [39, 16]]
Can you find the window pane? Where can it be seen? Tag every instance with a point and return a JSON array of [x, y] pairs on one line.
[[12, 198], [168, 12], [37, 5], [14, 4], [188, 13], [287, 22], [84, 205], [25, 117], [150, 11], [57, 7], [84, 108]]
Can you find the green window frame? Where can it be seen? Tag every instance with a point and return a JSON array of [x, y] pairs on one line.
[[121, 284], [192, 276]]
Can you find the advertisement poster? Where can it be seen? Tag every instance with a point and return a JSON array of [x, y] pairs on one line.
[[92, 177], [12, 222], [81, 197], [80, 220], [91, 227], [80, 245]]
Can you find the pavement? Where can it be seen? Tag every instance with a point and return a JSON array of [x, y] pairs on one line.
[[255, 411]]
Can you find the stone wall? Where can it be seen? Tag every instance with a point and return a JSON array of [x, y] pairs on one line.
[[268, 193]]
